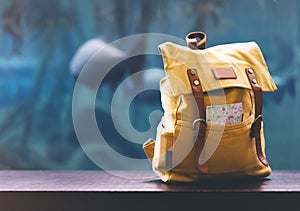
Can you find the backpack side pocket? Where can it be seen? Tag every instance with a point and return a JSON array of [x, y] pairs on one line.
[[162, 160]]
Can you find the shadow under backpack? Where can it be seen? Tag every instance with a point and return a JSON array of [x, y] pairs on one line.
[[212, 98]]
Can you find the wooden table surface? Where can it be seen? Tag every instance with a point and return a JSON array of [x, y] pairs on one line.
[[139, 190]]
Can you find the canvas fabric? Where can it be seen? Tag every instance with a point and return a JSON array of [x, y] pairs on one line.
[[229, 150]]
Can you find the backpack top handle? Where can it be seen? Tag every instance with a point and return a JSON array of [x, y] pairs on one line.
[[196, 40]]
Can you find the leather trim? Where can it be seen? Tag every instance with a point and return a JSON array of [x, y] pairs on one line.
[[257, 91], [196, 40], [223, 73], [256, 126], [199, 97]]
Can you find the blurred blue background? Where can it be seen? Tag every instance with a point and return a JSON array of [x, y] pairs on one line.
[[38, 41]]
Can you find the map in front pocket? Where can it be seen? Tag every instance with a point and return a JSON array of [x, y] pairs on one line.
[[224, 114]]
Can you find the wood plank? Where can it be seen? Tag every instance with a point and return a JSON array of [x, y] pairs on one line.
[[99, 190], [136, 181]]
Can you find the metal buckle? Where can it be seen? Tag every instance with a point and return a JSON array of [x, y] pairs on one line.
[[254, 128], [199, 120], [257, 118]]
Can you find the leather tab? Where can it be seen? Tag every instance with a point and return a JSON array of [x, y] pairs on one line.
[[199, 97], [196, 40], [258, 96], [256, 126], [223, 73]]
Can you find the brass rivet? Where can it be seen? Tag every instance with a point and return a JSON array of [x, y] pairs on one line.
[[193, 72], [250, 71], [196, 82], [254, 81]]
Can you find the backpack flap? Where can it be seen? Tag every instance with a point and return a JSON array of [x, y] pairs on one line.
[[215, 66]]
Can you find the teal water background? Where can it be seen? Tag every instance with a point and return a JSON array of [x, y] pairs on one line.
[[38, 39]]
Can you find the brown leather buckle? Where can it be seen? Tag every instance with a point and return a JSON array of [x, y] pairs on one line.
[[202, 127], [256, 126], [200, 120]]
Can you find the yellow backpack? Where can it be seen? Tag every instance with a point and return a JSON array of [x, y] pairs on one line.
[[212, 99]]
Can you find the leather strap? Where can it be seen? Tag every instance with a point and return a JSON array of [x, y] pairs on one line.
[[256, 126], [199, 97], [196, 40]]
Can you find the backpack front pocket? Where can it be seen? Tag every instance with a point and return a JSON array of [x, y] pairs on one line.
[[230, 149]]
